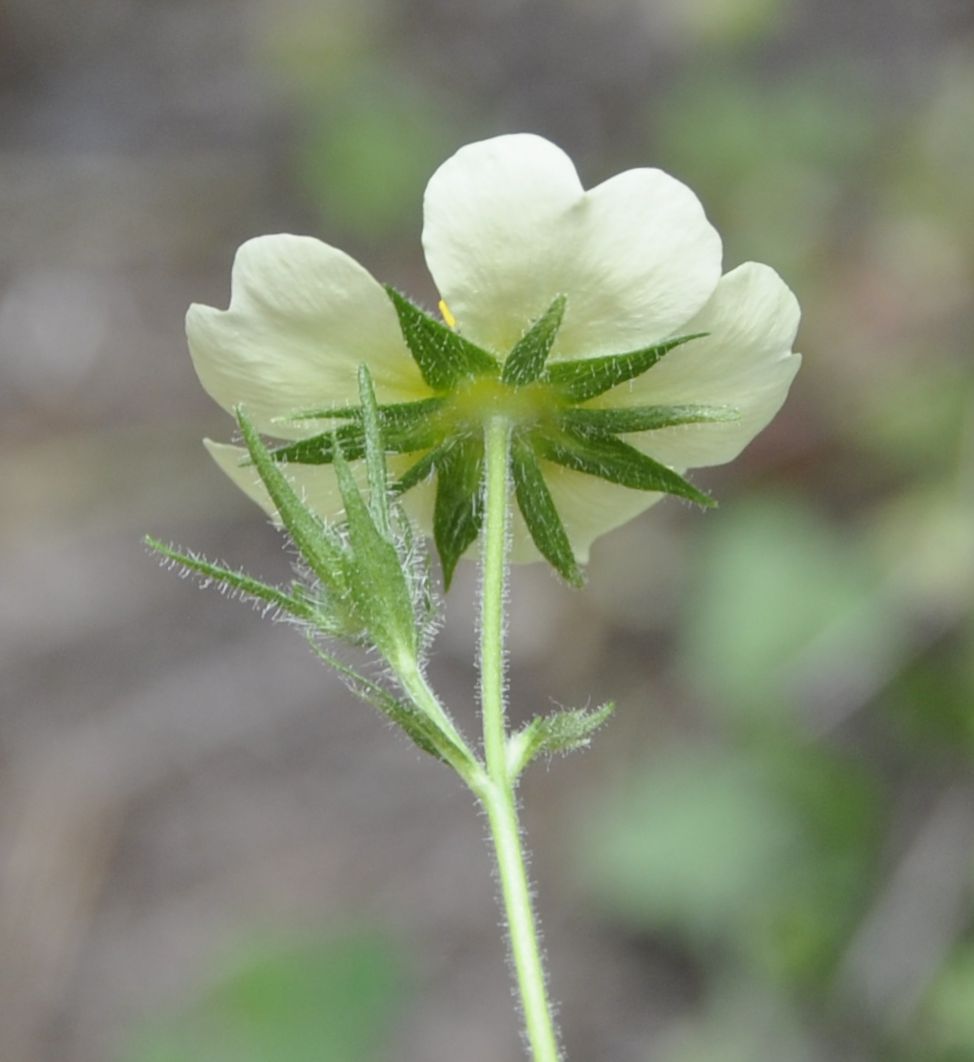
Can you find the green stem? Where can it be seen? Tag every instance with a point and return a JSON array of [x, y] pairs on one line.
[[497, 794], [492, 590]]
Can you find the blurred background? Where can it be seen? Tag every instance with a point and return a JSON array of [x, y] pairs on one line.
[[208, 850]]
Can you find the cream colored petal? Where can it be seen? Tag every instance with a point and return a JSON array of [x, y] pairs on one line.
[[418, 501], [588, 506], [745, 362], [303, 316], [508, 227], [648, 261]]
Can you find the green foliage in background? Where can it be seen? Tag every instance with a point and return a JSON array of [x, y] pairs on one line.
[[769, 848], [366, 157], [326, 1000], [775, 586], [947, 1018], [761, 852], [369, 130], [774, 164], [732, 23], [826, 631]]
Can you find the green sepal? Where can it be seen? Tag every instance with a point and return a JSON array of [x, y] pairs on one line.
[[378, 585], [402, 438], [391, 415], [422, 469], [600, 454], [238, 582], [587, 378], [526, 361], [557, 733], [459, 508], [319, 545], [644, 418], [540, 515], [444, 357], [320, 449]]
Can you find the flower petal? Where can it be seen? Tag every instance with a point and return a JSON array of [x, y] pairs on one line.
[[303, 316], [588, 507], [508, 227], [745, 362]]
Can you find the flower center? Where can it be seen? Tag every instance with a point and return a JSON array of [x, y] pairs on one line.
[[478, 399]]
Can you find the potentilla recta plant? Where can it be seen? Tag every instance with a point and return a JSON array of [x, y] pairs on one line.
[[586, 353]]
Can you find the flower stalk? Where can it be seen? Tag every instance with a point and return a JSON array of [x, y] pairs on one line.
[[498, 796], [493, 591]]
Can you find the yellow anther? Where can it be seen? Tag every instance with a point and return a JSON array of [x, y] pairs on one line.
[[451, 321]]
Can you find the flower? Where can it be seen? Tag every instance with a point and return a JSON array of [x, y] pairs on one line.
[[545, 286]]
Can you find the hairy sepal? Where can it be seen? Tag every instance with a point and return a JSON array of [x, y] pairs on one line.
[[392, 414], [458, 511], [631, 419], [527, 359], [402, 438], [444, 358], [234, 581], [588, 378], [598, 453], [417, 726], [378, 582], [540, 514], [320, 545]]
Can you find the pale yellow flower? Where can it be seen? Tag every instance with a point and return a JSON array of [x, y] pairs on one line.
[[508, 229]]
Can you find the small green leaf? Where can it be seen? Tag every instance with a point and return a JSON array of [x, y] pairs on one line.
[[318, 544], [526, 361], [374, 454], [644, 418], [603, 455], [444, 358], [540, 515], [559, 732], [418, 727], [377, 582], [236, 580], [589, 377], [459, 511]]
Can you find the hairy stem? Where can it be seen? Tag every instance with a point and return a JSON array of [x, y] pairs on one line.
[[497, 794]]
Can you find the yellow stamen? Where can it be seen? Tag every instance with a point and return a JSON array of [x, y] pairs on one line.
[[451, 321]]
